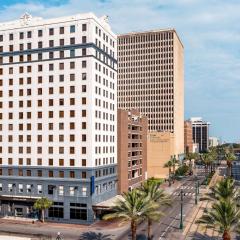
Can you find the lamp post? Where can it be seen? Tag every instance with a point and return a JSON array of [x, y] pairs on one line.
[[181, 213], [196, 192], [198, 186]]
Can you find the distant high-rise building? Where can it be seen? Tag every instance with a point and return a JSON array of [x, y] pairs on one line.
[[213, 141], [132, 149], [188, 137], [151, 80], [200, 133], [58, 115]]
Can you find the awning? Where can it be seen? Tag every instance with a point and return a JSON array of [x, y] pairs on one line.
[[18, 198], [108, 204]]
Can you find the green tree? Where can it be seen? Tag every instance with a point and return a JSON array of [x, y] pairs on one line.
[[152, 190], [223, 216], [230, 157], [174, 163], [169, 165], [223, 190], [135, 207], [42, 204], [207, 160]]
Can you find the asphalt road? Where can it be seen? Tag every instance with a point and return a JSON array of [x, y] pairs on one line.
[[170, 223]]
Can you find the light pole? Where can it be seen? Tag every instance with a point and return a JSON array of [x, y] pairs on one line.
[[196, 192], [198, 186], [181, 213]]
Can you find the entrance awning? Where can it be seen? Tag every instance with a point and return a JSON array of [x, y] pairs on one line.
[[108, 204], [18, 198]]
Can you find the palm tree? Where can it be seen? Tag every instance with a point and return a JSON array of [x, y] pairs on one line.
[[192, 156], [151, 190], [174, 162], [207, 160], [42, 204], [169, 165], [135, 207], [223, 190], [230, 157], [224, 216]]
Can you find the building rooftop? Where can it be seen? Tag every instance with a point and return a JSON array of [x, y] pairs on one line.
[[26, 20], [152, 31]]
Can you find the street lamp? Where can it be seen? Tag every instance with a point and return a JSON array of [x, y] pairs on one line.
[[181, 213], [196, 192]]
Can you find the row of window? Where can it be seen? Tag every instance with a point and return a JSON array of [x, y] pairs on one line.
[[51, 32], [28, 161], [40, 68]]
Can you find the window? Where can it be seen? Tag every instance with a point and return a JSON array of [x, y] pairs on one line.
[[10, 187], [72, 53], [39, 189], [29, 188], [61, 30], [39, 173], [51, 31], [84, 162], [72, 162], [50, 173], [84, 175], [61, 190], [84, 191], [76, 213], [84, 27], [72, 174], [84, 76], [61, 174], [40, 33], [84, 39], [21, 35], [72, 28], [29, 34], [84, 64], [51, 189], [20, 188], [72, 191], [84, 52], [56, 212]]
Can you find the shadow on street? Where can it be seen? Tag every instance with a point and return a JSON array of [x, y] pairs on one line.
[[95, 236], [199, 236]]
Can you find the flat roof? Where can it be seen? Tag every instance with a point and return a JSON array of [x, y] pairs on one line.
[[152, 31]]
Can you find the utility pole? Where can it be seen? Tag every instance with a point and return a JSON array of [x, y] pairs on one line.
[[181, 214]]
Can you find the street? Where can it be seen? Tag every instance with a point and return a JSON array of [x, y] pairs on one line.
[[170, 223]]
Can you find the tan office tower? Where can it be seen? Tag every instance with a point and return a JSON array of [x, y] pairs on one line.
[[151, 79]]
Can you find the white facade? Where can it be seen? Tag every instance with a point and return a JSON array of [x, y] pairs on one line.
[[41, 75], [58, 114]]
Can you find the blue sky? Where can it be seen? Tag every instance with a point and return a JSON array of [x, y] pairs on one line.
[[209, 29]]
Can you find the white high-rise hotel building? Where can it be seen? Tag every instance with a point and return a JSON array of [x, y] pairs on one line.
[[57, 115]]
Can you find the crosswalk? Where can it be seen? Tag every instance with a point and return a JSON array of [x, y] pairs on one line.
[[185, 194], [186, 187]]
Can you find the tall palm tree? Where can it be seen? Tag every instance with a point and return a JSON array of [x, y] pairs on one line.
[[230, 157], [169, 165], [151, 190], [207, 160], [223, 216], [42, 204], [174, 163], [135, 207], [223, 190]]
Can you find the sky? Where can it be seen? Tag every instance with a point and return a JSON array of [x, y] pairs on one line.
[[209, 30]]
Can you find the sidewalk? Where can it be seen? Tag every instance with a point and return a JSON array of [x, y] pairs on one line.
[[194, 230]]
